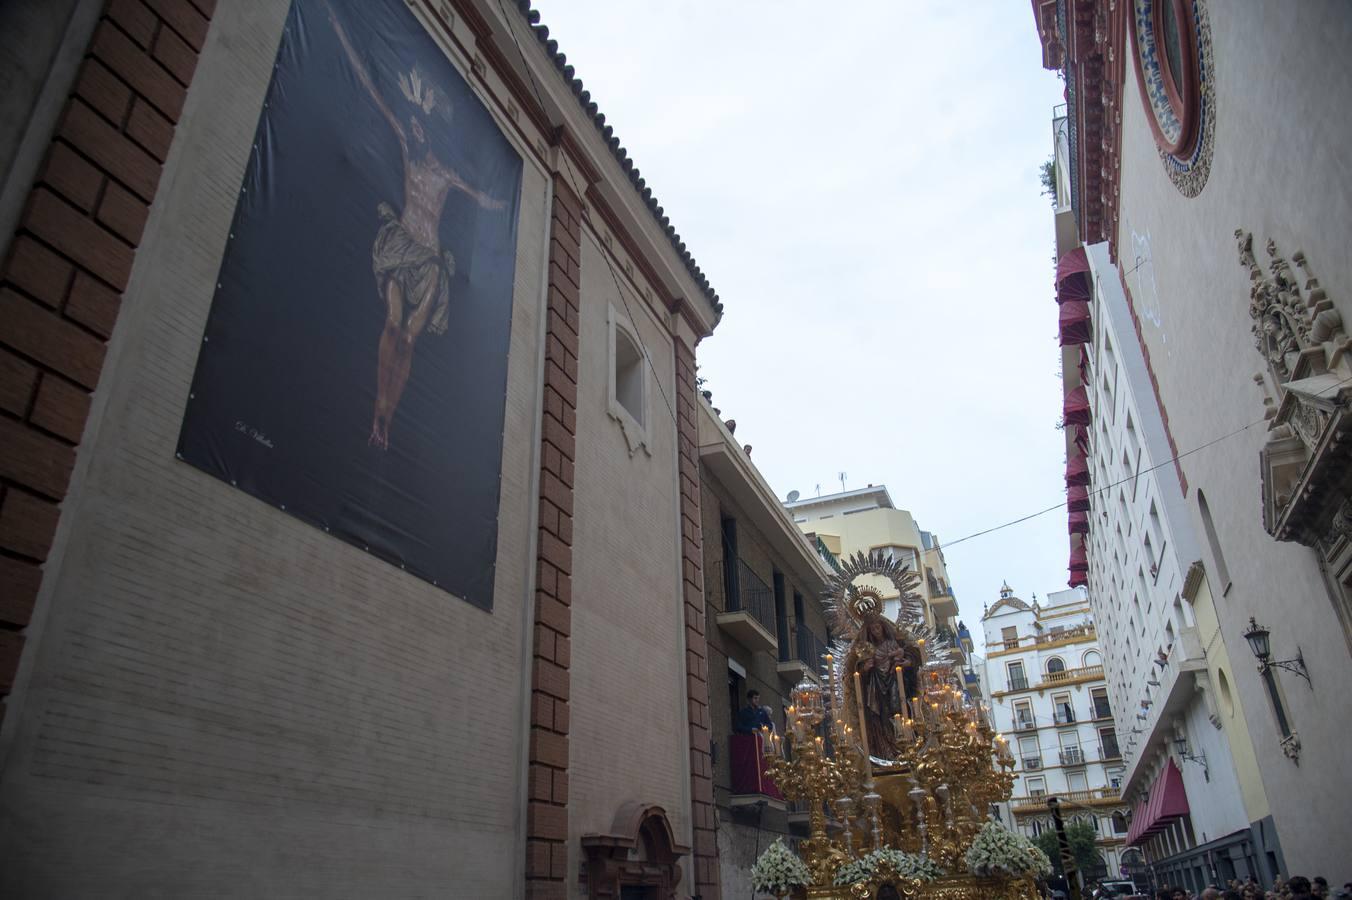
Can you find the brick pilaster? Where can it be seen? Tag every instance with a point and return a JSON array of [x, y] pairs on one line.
[[702, 812], [70, 260], [547, 810]]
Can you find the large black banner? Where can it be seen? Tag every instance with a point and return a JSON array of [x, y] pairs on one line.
[[354, 367]]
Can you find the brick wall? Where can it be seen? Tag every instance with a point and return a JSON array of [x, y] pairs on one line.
[[547, 811], [703, 815], [69, 262]]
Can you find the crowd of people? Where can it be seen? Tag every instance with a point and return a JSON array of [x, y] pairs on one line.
[[1297, 887]]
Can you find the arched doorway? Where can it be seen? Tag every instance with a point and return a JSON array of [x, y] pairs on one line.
[[637, 860]]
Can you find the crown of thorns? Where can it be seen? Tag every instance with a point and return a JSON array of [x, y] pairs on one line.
[[416, 92]]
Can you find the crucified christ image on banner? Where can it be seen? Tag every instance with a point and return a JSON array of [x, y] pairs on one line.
[[412, 271]]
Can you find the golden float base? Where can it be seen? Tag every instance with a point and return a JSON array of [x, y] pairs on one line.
[[950, 887]]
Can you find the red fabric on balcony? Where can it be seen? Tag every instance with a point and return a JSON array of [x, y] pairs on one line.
[[1079, 559], [1167, 801], [1078, 578], [1075, 328], [1079, 523], [1084, 366], [1072, 276], [748, 767], [1076, 407], [1077, 498], [1077, 470]]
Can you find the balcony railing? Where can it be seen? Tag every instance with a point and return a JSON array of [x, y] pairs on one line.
[[1109, 750], [1037, 800], [1065, 634], [810, 648], [1102, 710], [1024, 725], [1018, 684], [1069, 675], [1032, 762], [1072, 756], [1065, 717], [746, 592]]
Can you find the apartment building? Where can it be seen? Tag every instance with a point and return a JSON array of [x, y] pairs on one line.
[[766, 631], [1048, 697], [866, 520]]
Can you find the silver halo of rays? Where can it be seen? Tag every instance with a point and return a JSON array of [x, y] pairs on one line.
[[847, 605]]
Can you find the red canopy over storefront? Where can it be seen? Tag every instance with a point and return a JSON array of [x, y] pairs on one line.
[[1077, 498], [1166, 801], [1076, 407], [1075, 328]]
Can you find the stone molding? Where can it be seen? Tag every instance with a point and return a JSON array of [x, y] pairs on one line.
[[703, 816], [547, 799]]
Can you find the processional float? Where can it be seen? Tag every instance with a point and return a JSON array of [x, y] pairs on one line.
[[897, 769]]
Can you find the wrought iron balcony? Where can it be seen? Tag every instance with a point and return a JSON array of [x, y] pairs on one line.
[[1072, 756], [749, 606], [806, 657]]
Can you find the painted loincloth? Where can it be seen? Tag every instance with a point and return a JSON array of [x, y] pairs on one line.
[[423, 274]]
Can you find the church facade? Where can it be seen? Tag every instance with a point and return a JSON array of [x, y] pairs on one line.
[[242, 656]]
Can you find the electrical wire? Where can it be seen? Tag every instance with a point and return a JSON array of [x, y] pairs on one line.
[[1108, 487], [657, 379]]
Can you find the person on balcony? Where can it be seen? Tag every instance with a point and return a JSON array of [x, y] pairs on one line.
[[753, 717]]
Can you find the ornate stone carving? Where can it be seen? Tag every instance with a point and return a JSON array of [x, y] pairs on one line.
[[1303, 343]]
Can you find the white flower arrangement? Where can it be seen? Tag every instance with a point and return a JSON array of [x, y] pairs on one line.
[[907, 865], [779, 871], [997, 850]]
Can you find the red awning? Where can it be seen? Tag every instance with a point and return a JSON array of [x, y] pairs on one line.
[[1077, 471], [1079, 523], [1078, 578], [1167, 801], [1077, 498], [1076, 407], [1072, 276], [1079, 559], [1082, 440], [1075, 328]]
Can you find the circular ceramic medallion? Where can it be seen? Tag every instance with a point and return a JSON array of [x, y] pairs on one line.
[[1171, 42]]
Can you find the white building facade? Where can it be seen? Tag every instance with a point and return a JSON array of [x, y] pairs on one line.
[[1048, 698], [1162, 651]]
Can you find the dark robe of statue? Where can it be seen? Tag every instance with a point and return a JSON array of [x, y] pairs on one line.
[[876, 654]]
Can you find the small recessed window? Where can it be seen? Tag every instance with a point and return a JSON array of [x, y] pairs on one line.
[[629, 375], [629, 371]]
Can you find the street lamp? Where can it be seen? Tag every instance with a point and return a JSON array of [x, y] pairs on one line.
[[1259, 643], [1181, 747]]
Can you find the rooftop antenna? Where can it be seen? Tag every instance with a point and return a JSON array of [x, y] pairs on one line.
[[819, 490], [842, 482]]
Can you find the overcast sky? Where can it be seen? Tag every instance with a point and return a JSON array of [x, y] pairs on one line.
[[860, 185]]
